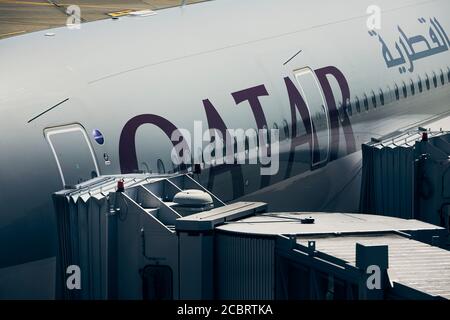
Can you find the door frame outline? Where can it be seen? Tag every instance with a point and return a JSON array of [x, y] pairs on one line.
[[325, 106], [48, 132]]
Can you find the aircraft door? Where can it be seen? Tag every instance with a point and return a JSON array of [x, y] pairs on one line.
[[73, 154], [318, 113]]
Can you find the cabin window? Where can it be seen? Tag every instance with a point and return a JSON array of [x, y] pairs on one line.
[[382, 97], [286, 129], [341, 110], [236, 145], [427, 82], [348, 106], [247, 144], [420, 85], [357, 104], [397, 92], [448, 75], [405, 91], [366, 102], [267, 135], [435, 83], [256, 137], [374, 99], [442, 77], [275, 127], [413, 88], [224, 147]]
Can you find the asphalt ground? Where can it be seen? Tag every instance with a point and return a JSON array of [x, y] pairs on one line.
[[22, 16]]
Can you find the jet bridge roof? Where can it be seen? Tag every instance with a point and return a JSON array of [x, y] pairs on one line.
[[324, 223], [417, 269], [414, 267]]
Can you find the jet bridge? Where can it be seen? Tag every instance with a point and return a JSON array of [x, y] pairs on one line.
[[166, 237], [127, 237], [408, 176]]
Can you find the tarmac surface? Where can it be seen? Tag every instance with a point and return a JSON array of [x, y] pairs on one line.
[[22, 16]]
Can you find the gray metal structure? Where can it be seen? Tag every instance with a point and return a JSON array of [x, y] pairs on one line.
[[136, 243], [408, 176], [329, 258]]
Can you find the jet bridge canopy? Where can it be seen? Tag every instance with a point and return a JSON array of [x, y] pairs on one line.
[[132, 240], [327, 259], [416, 269]]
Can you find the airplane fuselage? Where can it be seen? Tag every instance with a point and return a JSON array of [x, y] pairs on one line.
[[105, 99]]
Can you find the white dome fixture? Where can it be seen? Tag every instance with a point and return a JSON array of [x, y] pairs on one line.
[[192, 201]]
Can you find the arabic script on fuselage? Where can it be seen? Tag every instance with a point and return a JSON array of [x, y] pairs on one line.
[[407, 47]]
